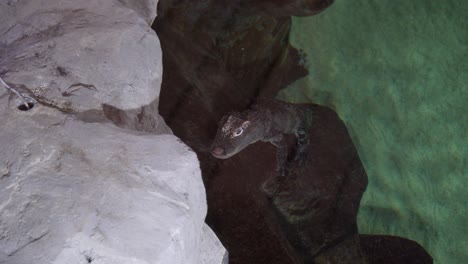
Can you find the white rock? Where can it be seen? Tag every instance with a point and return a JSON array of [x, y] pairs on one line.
[[213, 250], [80, 54], [91, 189], [75, 188]]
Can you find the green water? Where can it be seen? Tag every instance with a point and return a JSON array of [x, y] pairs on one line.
[[396, 73]]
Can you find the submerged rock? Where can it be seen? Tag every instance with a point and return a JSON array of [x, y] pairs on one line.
[[318, 202], [218, 57]]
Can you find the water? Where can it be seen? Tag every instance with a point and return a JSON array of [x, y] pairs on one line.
[[396, 73]]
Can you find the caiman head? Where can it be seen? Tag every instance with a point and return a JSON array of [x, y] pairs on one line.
[[235, 132]]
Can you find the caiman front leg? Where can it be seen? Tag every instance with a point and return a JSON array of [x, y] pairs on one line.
[[281, 145], [303, 140]]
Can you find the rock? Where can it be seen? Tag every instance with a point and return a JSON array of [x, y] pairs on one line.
[[73, 58], [381, 249], [95, 190], [221, 55], [291, 7], [145, 8], [214, 249], [317, 203], [311, 215], [218, 56], [75, 188]]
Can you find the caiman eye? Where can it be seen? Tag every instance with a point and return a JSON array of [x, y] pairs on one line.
[[238, 132]]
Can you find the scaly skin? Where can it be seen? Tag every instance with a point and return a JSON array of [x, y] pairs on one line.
[[268, 120]]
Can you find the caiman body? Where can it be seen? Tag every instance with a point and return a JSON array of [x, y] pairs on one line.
[[268, 120]]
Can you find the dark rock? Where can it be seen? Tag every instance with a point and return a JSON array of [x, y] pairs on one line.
[[393, 250], [291, 7], [241, 214], [318, 202], [218, 57]]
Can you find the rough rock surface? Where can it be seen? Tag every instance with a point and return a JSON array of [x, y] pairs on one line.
[[49, 48], [75, 188], [72, 190]]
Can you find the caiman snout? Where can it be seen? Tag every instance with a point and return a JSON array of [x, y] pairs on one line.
[[217, 151]]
